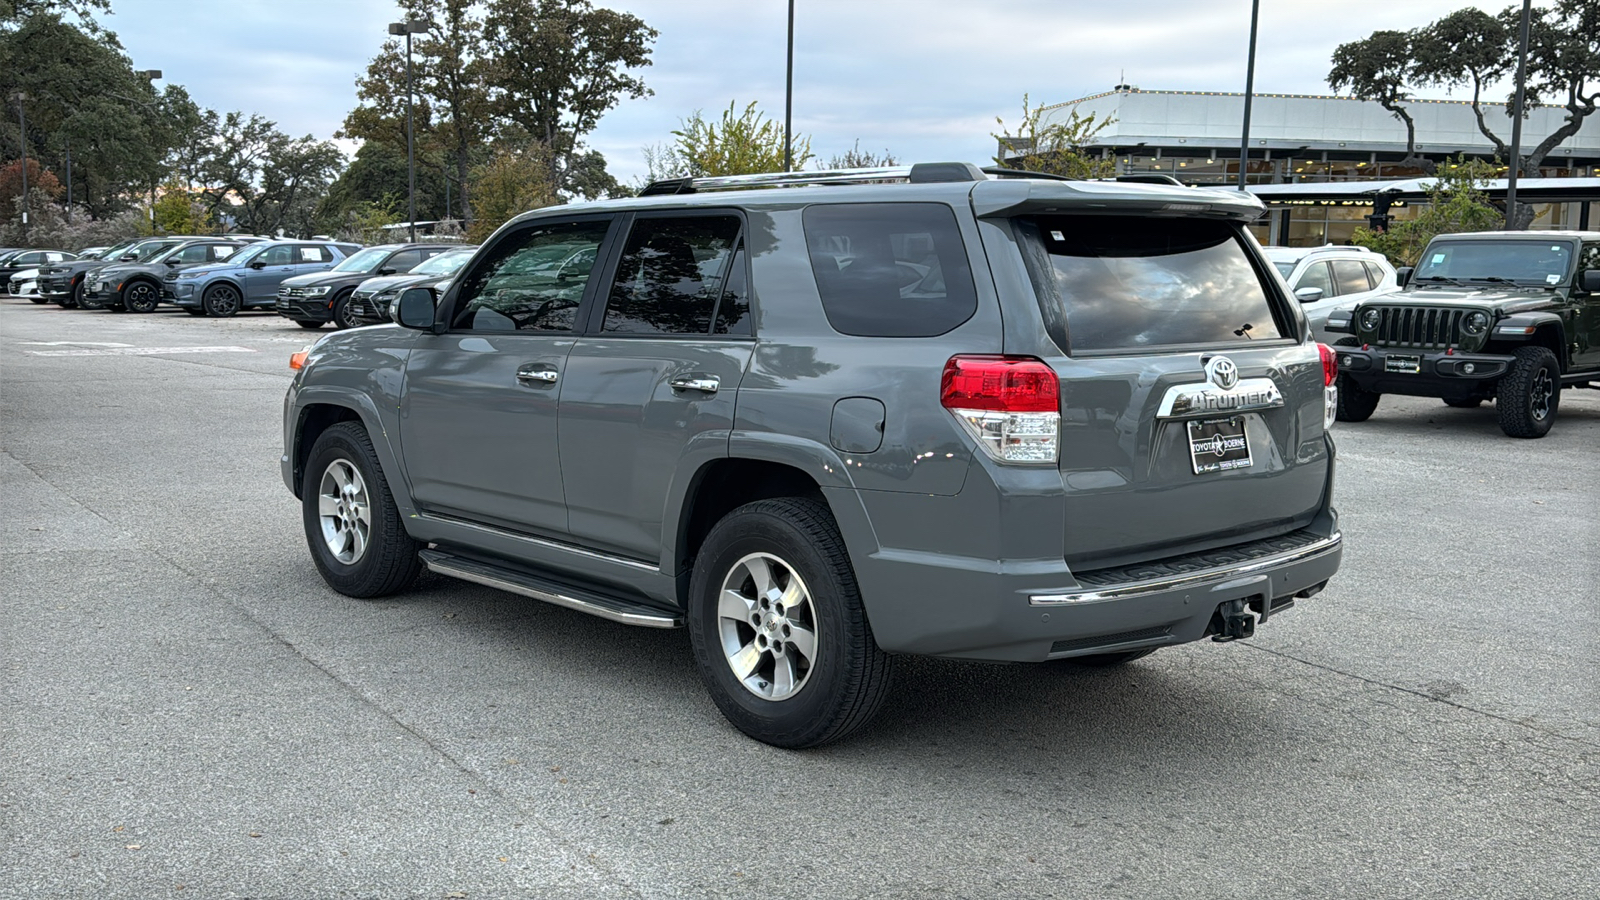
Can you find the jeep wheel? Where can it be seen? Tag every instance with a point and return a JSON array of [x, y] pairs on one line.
[[1529, 394], [1355, 404], [1466, 403], [140, 297], [777, 626], [351, 522], [220, 300], [341, 313]]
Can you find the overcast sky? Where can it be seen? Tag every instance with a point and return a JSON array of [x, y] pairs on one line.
[[923, 79]]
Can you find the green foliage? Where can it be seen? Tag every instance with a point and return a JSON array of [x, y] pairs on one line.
[[1456, 203], [363, 221], [1379, 68], [177, 211], [512, 182], [1053, 147], [737, 143], [856, 158]]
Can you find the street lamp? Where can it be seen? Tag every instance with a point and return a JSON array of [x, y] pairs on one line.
[[1249, 92], [22, 121], [408, 28], [788, 97]]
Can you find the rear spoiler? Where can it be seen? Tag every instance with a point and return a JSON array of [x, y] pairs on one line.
[[1019, 196]]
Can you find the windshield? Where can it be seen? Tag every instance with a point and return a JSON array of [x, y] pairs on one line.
[[444, 264], [1537, 262], [247, 253], [147, 252], [365, 261]]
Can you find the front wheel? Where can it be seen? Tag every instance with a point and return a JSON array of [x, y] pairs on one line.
[[351, 521], [1355, 404], [778, 629], [141, 297], [221, 300], [1528, 395], [343, 315]]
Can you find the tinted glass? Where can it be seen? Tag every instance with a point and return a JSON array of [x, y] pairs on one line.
[[1351, 276], [1542, 262], [670, 276], [533, 280], [1284, 268], [367, 260], [890, 269], [1374, 274], [1127, 282], [733, 312], [404, 261], [278, 256], [444, 263], [1316, 276], [195, 253]]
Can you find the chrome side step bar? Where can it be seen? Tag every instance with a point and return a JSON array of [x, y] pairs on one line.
[[528, 585], [1189, 579]]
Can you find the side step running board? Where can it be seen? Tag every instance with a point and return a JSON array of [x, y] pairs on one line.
[[529, 585]]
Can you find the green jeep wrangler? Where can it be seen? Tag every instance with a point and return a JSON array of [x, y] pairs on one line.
[[1508, 315]]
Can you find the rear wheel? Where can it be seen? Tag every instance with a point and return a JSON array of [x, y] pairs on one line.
[[351, 521], [1528, 395], [778, 629], [141, 297], [1355, 404], [221, 300]]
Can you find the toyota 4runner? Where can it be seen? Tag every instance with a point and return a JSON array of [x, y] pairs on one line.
[[1512, 316], [824, 419]]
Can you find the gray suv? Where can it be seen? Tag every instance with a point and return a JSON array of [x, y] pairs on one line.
[[929, 410]]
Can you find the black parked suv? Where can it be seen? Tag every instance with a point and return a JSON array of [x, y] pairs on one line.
[[1512, 316], [371, 301], [136, 286], [321, 297], [61, 283], [933, 410]]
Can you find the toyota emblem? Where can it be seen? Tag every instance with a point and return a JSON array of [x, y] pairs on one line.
[[1221, 372]]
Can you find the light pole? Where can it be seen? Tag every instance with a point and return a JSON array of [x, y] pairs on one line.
[[408, 28], [1249, 92], [788, 97], [22, 122], [150, 75]]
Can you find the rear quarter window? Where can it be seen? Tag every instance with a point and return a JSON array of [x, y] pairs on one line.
[[890, 269], [1126, 283]]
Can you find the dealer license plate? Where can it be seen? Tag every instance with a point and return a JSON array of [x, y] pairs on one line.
[[1218, 445], [1408, 364]]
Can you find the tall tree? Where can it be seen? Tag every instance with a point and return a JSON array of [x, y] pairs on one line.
[[1379, 68], [1467, 47], [1563, 66], [561, 65]]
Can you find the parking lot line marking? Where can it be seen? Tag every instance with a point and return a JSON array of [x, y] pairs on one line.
[[138, 351], [75, 344]]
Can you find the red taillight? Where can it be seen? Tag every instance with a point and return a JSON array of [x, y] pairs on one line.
[[1330, 364], [1000, 384]]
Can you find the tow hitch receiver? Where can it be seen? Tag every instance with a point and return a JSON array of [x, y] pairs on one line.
[[1232, 621]]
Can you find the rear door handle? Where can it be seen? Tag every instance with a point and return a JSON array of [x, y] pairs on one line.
[[706, 384], [534, 374]]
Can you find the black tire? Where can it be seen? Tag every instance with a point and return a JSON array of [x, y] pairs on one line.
[[386, 561], [1355, 404], [38, 299], [1468, 403], [141, 297], [340, 312], [307, 323], [847, 677], [221, 301], [73, 296], [1529, 395]]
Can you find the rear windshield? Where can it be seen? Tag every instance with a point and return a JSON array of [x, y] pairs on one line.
[[1133, 282]]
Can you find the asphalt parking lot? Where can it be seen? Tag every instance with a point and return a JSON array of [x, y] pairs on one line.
[[187, 711]]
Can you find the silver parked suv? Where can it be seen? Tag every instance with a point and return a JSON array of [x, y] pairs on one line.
[[926, 410]]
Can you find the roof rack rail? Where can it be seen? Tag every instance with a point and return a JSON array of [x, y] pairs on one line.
[[1003, 172], [1148, 179], [918, 173]]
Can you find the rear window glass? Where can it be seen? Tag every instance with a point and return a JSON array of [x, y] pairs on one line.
[[1130, 282], [890, 269]]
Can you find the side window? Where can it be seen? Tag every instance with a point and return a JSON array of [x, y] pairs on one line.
[[1351, 276], [670, 277], [1375, 274], [1316, 275], [221, 252], [404, 261], [890, 269], [733, 312], [312, 253], [193, 254], [532, 280], [278, 256]]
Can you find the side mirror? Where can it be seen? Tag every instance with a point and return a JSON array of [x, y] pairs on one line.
[[258, 264], [128, 257], [1589, 281], [387, 270], [1402, 275], [415, 309], [1308, 294], [171, 262]]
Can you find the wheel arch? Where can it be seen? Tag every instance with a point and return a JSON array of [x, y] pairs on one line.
[[317, 410], [1548, 332]]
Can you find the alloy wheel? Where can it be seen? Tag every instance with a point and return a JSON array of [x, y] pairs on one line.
[[767, 626], [345, 512]]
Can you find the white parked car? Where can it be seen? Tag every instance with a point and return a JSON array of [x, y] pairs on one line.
[[1327, 278], [25, 284]]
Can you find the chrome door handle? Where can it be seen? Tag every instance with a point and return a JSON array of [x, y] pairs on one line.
[[533, 374], [706, 384]]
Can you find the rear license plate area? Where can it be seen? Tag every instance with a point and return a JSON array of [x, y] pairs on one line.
[[1218, 445], [1409, 365]]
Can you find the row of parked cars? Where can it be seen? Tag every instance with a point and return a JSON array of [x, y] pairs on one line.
[[309, 281]]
